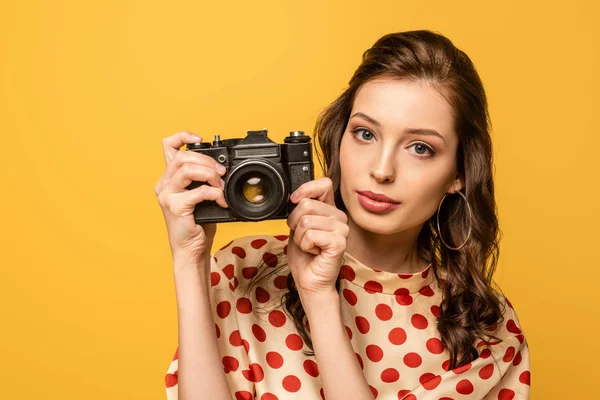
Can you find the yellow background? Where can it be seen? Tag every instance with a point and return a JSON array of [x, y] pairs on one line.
[[89, 89]]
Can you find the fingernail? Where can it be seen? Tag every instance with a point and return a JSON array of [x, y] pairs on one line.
[[294, 196], [221, 169], [194, 137]]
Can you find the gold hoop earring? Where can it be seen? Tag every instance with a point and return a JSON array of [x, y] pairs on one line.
[[470, 222]]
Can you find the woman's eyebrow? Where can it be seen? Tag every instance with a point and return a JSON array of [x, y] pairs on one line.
[[411, 131]]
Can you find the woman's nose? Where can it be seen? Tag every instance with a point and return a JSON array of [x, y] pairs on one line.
[[383, 170]]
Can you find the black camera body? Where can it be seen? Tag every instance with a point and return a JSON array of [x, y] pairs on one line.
[[260, 177]]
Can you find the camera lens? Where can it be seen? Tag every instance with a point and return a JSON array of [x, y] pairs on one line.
[[255, 190]]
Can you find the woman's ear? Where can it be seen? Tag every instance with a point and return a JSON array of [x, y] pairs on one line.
[[457, 185]]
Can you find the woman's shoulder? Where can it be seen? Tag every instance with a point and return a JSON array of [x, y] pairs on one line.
[[509, 330]]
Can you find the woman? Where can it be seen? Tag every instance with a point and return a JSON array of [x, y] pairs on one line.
[[383, 288]]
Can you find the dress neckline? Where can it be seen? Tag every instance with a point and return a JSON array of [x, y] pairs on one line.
[[377, 281]]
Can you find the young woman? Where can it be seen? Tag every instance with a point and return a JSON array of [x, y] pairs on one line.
[[384, 287]]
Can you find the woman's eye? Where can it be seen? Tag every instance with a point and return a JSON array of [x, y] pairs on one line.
[[422, 149], [363, 134]]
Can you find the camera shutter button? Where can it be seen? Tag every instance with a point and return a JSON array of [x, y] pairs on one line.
[[221, 158]]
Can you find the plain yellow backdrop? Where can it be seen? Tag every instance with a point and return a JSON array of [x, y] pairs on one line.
[[89, 89]]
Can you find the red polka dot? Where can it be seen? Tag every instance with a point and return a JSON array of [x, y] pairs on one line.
[[403, 393], [397, 336], [176, 356], [218, 331], [243, 395], [223, 309], [525, 378], [412, 360], [404, 299], [281, 237], [435, 310], [347, 272], [171, 379], [277, 318], [460, 370], [373, 287], [425, 273], [274, 359], [521, 338], [249, 272], [311, 368], [374, 353], [434, 345], [383, 312], [255, 373], [410, 397], [350, 296], [258, 243], [430, 381], [360, 361], [244, 305], [280, 282], [362, 324], [374, 391], [390, 375], [238, 251], [518, 359], [270, 259], [233, 284], [268, 396], [485, 353], [235, 339], [419, 321], [446, 365], [246, 345], [486, 371], [322, 393], [215, 278], [512, 327], [506, 394], [426, 291], [464, 387], [228, 271], [445, 398], [509, 354], [405, 276], [291, 383], [294, 342], [262, 296], [259, 333], [349, 331], [230, 364]]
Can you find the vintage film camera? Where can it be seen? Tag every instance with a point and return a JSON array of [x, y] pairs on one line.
[[261, 174]]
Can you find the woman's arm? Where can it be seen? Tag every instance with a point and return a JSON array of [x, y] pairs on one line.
[[201, 375], [338, 366]]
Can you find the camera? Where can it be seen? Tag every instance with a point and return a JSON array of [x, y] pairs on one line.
[[261, 174]]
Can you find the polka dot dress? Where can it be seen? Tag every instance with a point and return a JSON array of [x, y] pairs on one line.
[[390, 320]]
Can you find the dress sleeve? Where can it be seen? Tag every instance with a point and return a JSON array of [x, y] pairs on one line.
[[501, 372], [228, 266]]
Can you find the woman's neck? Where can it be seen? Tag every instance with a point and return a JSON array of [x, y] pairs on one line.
[[395, 253]]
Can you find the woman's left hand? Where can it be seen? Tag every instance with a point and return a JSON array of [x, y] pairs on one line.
[[317, 241]]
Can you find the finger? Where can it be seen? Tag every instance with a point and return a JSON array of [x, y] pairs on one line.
[[173, 143], [323, 241], [317, 222], [182, 204], [192, 172], [306, 244], [314, 207], [190, 198], [320, 189], [182, 157]]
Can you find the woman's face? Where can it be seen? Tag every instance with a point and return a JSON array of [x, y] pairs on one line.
[[383, 152]]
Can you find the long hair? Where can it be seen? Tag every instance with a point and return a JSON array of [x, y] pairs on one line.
[[470, 309]]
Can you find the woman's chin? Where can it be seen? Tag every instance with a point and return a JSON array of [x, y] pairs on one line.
[[381, 224]]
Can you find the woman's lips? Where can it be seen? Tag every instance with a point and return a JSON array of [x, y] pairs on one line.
[[375, 206]]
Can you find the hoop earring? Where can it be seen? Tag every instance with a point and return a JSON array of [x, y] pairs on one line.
[[470, 222]]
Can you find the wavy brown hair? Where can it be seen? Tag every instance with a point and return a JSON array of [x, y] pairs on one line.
[[470, 308]]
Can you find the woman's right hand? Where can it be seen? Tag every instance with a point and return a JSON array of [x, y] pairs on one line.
[[187, 239]]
